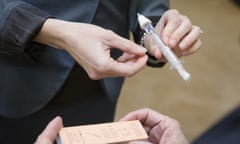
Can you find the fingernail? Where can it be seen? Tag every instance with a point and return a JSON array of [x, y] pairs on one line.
[[141, 49], [166, 39], [182, 46], [173, 42]]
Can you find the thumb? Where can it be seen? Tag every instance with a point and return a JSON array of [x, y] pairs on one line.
[[125, 45], [49, 134], [140, 142]]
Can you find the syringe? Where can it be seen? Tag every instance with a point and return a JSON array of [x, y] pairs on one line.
[[175, 63]]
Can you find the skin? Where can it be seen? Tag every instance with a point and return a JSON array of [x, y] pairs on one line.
[[161, 129], [49, 134], [90, 45], [177, 32]]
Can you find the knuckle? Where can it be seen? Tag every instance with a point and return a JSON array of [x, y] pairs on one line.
[[188, 23], [110, 33], [93, 76], [171, 12], [176, 21], [171, 122], [102, 67], [175, 123], [174, 11], [131, 73], [184, 17], [95, 73], [199, 29], [147, 109]]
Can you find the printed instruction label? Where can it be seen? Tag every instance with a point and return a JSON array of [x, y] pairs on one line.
[[103, 133]]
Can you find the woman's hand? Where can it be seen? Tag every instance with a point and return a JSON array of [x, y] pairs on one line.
[[177, 32], [90, 46]]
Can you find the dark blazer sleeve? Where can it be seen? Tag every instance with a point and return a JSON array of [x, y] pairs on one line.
[[152, 9], [19, 24]]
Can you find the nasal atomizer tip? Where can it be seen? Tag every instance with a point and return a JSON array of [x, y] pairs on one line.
[[142, 20]]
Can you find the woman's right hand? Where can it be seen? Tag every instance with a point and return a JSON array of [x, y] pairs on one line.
[[90, 46]]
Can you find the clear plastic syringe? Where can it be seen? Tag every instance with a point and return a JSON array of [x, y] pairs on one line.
[[175, 63]]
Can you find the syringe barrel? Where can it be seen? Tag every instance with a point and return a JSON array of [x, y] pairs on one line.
[[146, 25], [167, 52], [170, 56]]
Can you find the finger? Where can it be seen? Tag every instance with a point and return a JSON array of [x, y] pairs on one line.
[[171, 20], [125, 45], [51, 131], [150, 119], [115, 68], [180, 32], [156, 134], [128, 68], [164, 129], [167, 131], [147, 116], [192, 37], [140, 114], [152, 47], [43, 141], [195, 47], [156, 52], [177, 51], [126, 57], [140, 142]]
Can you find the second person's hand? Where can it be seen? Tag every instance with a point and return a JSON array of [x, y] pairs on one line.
[[161, 129], [49, 134]]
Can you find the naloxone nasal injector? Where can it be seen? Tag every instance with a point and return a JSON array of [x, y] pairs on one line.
[[175, 63]]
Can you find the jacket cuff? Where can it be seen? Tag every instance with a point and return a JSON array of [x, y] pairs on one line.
[[22, 24], [153, 62]]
